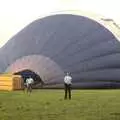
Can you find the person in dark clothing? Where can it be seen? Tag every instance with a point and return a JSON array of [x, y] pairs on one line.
[[67, 84]]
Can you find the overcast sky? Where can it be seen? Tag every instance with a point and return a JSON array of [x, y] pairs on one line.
[[16, 14]]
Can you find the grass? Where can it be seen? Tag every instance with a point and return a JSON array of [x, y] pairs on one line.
[[50, 105]]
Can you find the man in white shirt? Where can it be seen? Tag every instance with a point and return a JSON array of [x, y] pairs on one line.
[[29, 83], [67, 84]]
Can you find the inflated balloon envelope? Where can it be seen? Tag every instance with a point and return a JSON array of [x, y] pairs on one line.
[[65, 42]]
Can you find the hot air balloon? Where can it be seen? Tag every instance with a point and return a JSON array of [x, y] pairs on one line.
[[59, 43]]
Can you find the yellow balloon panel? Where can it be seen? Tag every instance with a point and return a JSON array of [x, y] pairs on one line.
[[11, 82]]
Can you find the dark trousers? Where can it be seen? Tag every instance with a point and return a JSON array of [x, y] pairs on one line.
[[29, 88], [67, 91]]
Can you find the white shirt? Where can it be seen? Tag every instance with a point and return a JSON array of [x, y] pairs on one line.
[[29, 81], [68, 79]]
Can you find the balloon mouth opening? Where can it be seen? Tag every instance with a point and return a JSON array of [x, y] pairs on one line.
[[30, 73]]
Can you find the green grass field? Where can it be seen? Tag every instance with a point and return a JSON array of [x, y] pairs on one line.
[[50, 105]]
